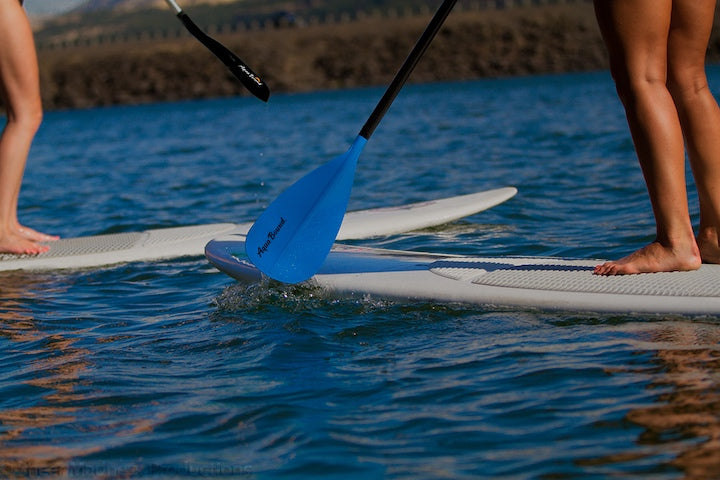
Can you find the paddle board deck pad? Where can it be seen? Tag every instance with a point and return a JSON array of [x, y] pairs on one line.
[[167, 243], [114, 248], [534, 283]]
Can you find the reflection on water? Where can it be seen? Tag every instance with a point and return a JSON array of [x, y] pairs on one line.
[[44, 363], [687, 416], [682, 426]]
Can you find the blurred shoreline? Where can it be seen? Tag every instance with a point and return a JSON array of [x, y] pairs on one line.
[[366, 52]]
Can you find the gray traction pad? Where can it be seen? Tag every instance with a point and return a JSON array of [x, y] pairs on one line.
[[577, 277], [84, 245], [118, 242]]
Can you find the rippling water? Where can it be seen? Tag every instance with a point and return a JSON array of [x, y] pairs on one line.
[[173, 370]]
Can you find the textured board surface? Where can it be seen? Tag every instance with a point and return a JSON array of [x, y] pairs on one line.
[[109, 249], [83, 246], [576, 276]]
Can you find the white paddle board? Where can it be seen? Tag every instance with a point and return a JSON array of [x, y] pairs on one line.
[[167, 243], [535, 283]]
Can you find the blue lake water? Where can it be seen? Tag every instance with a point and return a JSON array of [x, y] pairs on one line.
[[173, 370]]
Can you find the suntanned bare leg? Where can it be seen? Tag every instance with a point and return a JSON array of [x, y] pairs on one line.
[[699, 113], [20, 91], [636, 34]]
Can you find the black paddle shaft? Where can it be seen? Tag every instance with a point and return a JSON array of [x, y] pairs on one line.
[[406, 69], [242, 72]]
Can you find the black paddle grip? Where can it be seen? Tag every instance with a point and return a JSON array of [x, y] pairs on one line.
[[239, 69]]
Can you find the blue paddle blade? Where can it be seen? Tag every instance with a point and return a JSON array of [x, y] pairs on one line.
[[293, 236]]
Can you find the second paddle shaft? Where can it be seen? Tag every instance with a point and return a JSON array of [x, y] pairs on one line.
[[239, 69]]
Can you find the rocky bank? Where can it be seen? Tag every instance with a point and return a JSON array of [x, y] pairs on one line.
[[494, 43]]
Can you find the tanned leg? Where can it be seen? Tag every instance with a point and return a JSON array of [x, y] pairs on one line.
[[636, 35], [690, 30], [20, 90]]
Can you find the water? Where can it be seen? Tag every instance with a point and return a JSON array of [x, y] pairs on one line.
[[172, 370]]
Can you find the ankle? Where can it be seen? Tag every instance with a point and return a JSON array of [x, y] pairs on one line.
[[708, 242], [708, 235]]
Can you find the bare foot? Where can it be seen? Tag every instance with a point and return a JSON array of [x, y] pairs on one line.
[[16, 244], [653, 258], [35, 236]]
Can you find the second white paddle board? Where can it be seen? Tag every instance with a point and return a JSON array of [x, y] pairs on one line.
[[158, 244]]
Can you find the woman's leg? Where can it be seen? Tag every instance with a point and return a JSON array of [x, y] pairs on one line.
[[20, 89], [636, 34], [699, 113]]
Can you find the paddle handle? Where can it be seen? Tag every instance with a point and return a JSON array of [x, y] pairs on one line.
[[239, 69], [174, 6], [406, 69]]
